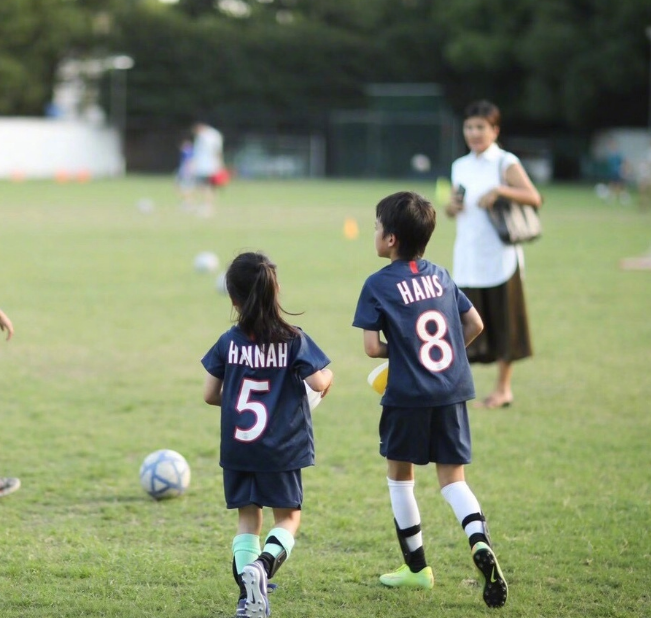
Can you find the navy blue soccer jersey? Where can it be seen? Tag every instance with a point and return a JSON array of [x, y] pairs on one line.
[[266, 425], [418, 307]]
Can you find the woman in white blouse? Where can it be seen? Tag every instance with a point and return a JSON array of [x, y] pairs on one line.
[[487, 270]]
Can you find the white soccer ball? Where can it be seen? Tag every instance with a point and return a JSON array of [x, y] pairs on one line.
[[145, 205], [206, 262], [602, 191], [421, 163], [165, 474]]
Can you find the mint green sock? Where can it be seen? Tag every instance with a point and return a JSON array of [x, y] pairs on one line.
[[246, 549], [285, 538]]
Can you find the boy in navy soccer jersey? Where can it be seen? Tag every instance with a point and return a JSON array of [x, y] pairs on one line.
[[427, 322], [257, 373]]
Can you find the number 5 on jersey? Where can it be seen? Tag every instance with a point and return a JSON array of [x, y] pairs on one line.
[[245, 404]]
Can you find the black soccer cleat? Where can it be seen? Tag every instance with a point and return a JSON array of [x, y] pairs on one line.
[[495, 589]]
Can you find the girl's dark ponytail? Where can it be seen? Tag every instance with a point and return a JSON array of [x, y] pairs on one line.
[[252, 285]]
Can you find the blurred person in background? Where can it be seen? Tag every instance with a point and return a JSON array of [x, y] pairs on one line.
[[644, 180], [616, 170], [207, 162], [7, 484], [488, 271], [184, 175]]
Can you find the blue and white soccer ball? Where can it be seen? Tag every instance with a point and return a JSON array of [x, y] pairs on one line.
[[165, 474]]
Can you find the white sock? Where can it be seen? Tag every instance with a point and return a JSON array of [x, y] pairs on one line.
[[463, 502], [405, 510]]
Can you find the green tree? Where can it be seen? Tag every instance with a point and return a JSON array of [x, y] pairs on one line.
[[34, 36], [190, 67], [559, 64], [578, 64], [586, 62]]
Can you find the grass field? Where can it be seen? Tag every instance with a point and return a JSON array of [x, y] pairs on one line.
[[111, 321]]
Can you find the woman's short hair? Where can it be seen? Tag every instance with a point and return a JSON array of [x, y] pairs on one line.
[[484, 109]]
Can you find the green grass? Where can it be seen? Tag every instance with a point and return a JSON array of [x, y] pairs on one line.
[[111, 322]]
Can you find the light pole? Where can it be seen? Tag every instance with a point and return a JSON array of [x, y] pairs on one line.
[[118, 66]]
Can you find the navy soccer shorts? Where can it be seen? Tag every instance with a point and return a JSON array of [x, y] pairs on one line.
[[280, 490], [424, 435]]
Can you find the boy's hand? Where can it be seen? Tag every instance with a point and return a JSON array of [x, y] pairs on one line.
[[6, 325]]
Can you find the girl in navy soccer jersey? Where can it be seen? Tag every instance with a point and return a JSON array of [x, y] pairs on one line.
[[427, 323], [257, 372]]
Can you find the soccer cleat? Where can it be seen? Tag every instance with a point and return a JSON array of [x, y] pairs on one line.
[[8, 486], [495, 588], [241, 608], [255, 581], [404, 578], [241, 604]]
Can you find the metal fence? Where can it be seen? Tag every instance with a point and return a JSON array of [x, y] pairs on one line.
[[377, 144], [352, 144]]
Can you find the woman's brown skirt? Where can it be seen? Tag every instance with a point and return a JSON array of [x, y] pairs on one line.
[[506, 329]]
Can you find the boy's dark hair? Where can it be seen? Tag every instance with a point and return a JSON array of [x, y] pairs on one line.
[[252, 285], [484, 109], [410, 218]]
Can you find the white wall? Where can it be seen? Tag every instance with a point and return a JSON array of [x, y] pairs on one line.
[[49, 148]]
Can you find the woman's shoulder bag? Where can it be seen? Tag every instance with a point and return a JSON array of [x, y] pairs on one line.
[[515, 223]]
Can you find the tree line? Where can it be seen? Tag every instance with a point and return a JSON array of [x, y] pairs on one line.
[[568, 65]]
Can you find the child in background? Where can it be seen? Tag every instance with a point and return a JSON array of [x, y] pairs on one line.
[[7, 484], [617, 170], [184, 174], [427, 323], [257, 373], [644, 180]]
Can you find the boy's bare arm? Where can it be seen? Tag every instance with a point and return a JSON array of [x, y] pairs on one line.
[[373, 346], [472, 325]]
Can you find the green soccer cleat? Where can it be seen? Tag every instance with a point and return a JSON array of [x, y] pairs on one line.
[[495, 588], [404, 578]]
